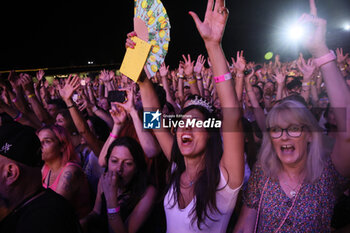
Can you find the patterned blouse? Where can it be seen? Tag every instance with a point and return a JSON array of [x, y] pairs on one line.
[[313, 207]]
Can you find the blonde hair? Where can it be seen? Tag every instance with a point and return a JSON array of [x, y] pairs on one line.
[[293, 112]]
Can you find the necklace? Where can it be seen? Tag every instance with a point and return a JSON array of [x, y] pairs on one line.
[[191, 182], [293, 191]]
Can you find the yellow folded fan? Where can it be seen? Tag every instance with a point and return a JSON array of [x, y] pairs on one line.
[[135, 59]]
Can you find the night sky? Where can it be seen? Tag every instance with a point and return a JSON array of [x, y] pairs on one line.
[[65, 33]]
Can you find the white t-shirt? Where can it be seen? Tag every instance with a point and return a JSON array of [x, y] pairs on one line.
[[179, 220]]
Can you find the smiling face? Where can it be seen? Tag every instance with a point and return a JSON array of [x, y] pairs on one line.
[[192, 141], [122, 162], [291, 151]]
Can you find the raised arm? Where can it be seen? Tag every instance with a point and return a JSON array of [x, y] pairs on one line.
[[239, 65], [308, 69], [66, 93], [119, 116], [148, 142], [150, 102], [338, 91], [164, 72], [211, 31]]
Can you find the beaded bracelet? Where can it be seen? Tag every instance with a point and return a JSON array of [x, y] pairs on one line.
[[113, 136]]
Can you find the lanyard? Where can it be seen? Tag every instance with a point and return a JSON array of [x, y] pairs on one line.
[[260, 203]]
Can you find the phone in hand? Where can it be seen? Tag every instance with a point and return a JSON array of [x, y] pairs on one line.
[[117, 96]]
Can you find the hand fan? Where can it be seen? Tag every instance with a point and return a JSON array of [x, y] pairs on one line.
[[151, 23]]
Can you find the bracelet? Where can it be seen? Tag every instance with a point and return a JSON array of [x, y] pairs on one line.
[[306, 84], [30, 96], [325, 59], [18, 116], [192, 81], [198, 77], [113, 210], [70, 106], [179, 75], [94, 109], [223, 78], [113, 136]]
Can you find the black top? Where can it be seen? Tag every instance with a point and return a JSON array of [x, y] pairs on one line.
[[49, 212]]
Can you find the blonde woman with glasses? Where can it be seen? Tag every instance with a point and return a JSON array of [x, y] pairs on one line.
[[294, 185]]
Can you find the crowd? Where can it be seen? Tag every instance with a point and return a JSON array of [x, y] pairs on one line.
[[71, 160]]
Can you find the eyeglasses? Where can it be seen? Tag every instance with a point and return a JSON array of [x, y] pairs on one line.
[[294, 131]]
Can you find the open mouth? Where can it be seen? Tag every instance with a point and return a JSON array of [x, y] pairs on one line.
[[287, 148], [186, 139]]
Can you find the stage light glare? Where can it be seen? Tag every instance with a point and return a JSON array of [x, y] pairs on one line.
[[296, 32], [347, 27]]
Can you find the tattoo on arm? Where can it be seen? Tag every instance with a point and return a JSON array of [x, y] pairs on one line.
[[68, 177]]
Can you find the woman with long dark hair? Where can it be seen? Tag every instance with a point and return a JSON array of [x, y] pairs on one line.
[[206, 174], [125, 198]]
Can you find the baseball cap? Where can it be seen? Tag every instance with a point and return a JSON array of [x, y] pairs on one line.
[[21, 144]]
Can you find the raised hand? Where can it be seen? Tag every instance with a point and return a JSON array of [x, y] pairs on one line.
[[40, 74], [279, 76], [199, 65], [27, 83], [240, 62], [118, 114], [180, 70], [129, 105], [14, 79], [213, 26], [164, 70], [307, 69], [71, 85], [188, 66], [315, 41], [341, 58], [104, 76]]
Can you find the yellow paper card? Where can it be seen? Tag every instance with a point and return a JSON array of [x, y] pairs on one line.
[[135, 59]]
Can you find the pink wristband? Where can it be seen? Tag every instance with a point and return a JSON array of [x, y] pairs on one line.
[[113, 135], [223, 78], [113, 210], [325, 59]]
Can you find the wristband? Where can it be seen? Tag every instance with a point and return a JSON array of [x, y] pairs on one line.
[[113, 210], [192, 81], [30, 96], [306, 84], [113, 136], [179, 75], [223, 78], [94, 109], [70, 106], [198, 77], [19, 116], [325, 59]]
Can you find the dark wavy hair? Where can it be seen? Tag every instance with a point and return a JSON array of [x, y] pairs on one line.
[[138, 184], [205, 187]]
